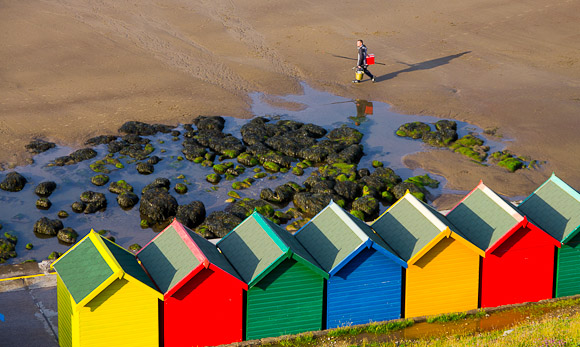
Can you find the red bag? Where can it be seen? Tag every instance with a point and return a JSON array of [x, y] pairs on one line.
[[370, 59]]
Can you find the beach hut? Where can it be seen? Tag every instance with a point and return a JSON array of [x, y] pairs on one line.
[[203, 294], [105, 298], [555, 207], [519, 257], [285, 284], [365, 274], [443, 267]]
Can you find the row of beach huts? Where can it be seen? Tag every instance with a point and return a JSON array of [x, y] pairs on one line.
[[261, 281]]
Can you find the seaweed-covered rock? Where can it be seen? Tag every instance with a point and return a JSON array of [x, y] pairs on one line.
[[350, 154], [143, 129], [192, 214], [218, 224], [345, 135], [13, 182], [157, 205], [400, 189], [43, 204], [54, 255], [134, 248], [192, 149], [127, 199], [414, 130], [273, 157], [47, 226], [282, 194], [153, 160], [44, 189], [120, 186], [314, 131], [335, 169], [100, 180], [62, 214], [159, 182], [247, 159], [315, 153], [368, 205], [180, 188], [323, 187], [78, 206], [67, 235], [244, 208], [423, 181], [471, 147], [204, 123], [7, 249], [213, 178], [310, 204], [39, 146], [388, 174], [94, 201], [83, 154], [145, 168], [347, 189], [101, 140]]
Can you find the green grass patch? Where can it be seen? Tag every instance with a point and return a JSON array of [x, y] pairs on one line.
[[447, 317]]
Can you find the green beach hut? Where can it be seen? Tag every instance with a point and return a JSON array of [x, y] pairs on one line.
[[285, 284], [555, 207]]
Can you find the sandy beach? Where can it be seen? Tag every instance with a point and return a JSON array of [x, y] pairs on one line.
[[73, 69]]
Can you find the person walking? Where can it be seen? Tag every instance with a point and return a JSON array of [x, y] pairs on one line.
[[362, 60]]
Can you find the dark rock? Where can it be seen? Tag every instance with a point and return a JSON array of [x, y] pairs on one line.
[[93, 201], [192, 214], [377, 183], [347, 189], [101, 140], [315, 154], [313, 130], [273, 157], [115, 146], [445, 124], [83, 154], [345, 135], [43, 204], [100, 180], [67, 235], [400, 189], [368, 205], [137, 151], [247, 159], [7, 249], [209, 123], [180, 188], [192, 151], [13, 182], [143, 129], [157, 205], [258, 149], [78, 206], [39, 146], [213, 178], [323, 187], [244, 208], [363, 172], [127, 199], [145, 168], [134, 248], [229, 146], [47, 226], [153, 160], [218, 224], [281, 195], [45, 189], [62, 214], [350, 154], [311, 204], [387, 173], [175, 133], [159, 182]]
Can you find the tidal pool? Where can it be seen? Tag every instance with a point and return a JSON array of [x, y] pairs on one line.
[[374, 119]]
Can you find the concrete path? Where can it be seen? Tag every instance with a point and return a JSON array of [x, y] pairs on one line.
[[29, 306]]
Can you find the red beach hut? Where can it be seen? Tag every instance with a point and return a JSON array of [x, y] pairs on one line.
[[519, 256], [203, 293]]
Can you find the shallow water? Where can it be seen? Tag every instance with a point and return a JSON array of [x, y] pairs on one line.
[[18, 213]]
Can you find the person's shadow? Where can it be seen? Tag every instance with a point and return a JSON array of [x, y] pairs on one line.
[[426, 65]]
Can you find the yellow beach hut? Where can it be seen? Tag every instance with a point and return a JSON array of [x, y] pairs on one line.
[[105, 298], [443, 267]]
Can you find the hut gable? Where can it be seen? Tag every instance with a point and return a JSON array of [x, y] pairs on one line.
[[334, 237], [257, 245], [177, 254], [554, 207], [94, 263], [484, 217]]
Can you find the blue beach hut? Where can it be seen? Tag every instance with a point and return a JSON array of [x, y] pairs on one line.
[[365, 282]]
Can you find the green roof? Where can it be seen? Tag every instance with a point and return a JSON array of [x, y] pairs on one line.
[[82, 269], [250, 248], [128, 263], [484, 217], [554, 207], [408, 226], [168, 259], [212, 253]]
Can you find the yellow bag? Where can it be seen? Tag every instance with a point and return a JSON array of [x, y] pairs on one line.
[[359, 75]]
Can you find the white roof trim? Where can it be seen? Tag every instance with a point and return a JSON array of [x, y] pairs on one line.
[[499, 201], [425, 211]]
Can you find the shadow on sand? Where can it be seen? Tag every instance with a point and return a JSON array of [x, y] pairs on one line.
[[426, 65]]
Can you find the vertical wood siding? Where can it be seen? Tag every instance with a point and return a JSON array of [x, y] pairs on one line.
[[207, 311], [568, 275], [445, 279], [287, 301], [520, 270], [367, 289], [65, 312], [124, 314]]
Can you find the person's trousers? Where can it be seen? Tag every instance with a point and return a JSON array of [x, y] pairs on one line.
[[367, 72]]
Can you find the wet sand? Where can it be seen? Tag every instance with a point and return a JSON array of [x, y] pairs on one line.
[[73, 69]]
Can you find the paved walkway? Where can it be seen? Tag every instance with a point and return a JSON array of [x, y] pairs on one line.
[[29, 307]]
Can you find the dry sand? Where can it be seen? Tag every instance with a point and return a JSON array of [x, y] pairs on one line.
[[72, 69]]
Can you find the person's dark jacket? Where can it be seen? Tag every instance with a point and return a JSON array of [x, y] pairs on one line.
[[362, 56]]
